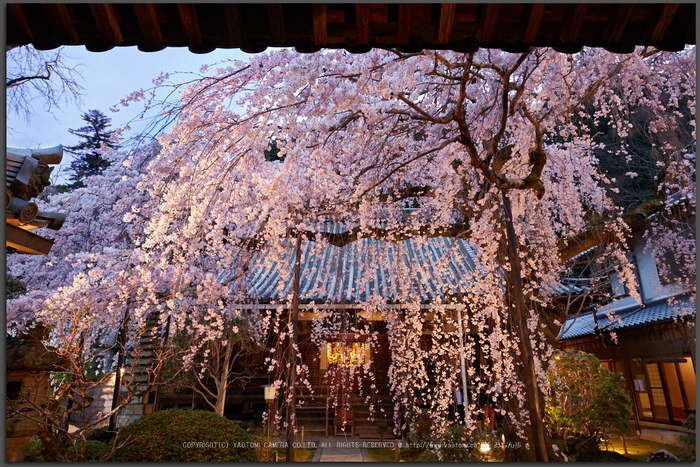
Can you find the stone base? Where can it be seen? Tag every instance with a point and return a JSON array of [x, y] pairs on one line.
[[661, 436], [16, 447]]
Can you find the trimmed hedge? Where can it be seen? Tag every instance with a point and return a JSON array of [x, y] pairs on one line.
[[179, 435]]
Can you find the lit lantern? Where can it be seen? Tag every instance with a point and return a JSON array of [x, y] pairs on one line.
[[270, 392]]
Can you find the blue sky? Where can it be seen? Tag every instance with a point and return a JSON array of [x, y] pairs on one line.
[[108, 77]]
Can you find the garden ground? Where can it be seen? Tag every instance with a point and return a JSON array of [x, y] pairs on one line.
[[637, 450]]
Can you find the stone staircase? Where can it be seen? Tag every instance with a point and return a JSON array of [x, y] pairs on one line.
[[366, 428], [313, 413], [312, 416], [142, 373]]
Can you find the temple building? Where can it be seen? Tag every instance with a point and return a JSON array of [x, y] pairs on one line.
[[337, 284]]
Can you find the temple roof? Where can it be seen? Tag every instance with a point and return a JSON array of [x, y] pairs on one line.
[[430, 268], [368, 267], [27, 173], [624, 319]]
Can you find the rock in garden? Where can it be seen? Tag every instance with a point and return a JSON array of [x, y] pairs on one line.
[[662, 455]]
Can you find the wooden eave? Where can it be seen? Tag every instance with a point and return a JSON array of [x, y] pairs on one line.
[[252, 27], [26, 242]]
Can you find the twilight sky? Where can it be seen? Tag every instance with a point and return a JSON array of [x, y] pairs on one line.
[[108, 77]]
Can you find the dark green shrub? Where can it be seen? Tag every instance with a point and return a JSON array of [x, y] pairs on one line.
[[184, 436], [427, 456], [14, 287], [585, 402], [94, 450], [423, 426], [453, 446], [263, 444], [33, 452], [689, 440], [483, 436], [421, 433]]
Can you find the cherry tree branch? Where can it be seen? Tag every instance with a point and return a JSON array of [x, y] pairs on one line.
[[635, 220]]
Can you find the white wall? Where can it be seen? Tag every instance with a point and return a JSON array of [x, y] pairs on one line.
[[652, 289]]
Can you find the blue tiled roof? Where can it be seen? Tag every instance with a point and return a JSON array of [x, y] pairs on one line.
[[636, 316], [350, 274]]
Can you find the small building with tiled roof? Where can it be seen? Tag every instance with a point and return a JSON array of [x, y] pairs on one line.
[[651, 343]]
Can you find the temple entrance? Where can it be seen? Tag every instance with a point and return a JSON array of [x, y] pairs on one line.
[[344, 366]]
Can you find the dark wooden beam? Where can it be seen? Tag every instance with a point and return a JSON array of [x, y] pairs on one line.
[[534, 19], [17, 11], [60, 20], [188, 16], [320, 22], [571, 28], [107, 23], [618, 27], [447, 19], [617, 22], [362, 23], [690, 36], [148, 22], [233, 24], [276, 22], [26, 242], [487, 25], [403, 28], [656, 30]]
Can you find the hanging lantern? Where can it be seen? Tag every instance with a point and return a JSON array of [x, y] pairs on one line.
[[270, 393]]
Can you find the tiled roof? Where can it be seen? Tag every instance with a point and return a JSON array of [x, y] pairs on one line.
[[367, 267], [351, 274], [567, 286], [635, 316]]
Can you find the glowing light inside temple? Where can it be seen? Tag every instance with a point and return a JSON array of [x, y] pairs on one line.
[[345, 355]]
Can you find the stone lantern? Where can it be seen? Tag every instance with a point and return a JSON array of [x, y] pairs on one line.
[[29, 364]]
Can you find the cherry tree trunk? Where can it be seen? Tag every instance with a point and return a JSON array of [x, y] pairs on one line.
[[221, 403], [223, 379], [159, 381], [121, 348], [52, 447], [294, 317], [520, 314]]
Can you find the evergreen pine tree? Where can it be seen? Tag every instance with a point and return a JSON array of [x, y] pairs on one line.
[[94, 135]]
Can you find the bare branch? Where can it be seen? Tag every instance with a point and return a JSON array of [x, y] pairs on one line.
[[45, 75]]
